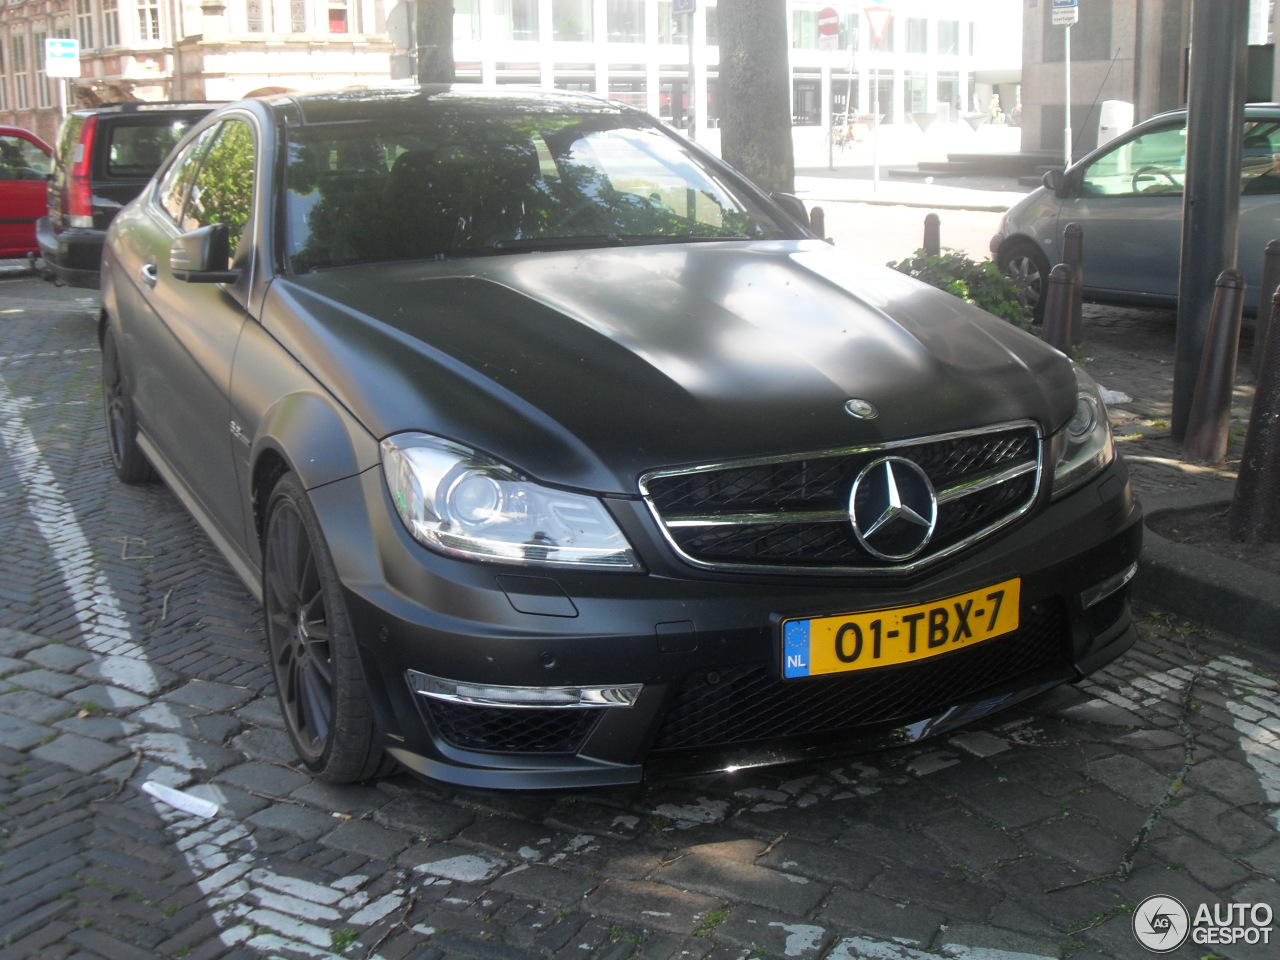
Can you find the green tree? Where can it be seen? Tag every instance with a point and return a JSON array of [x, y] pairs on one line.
[[434, 30], [755, 82]]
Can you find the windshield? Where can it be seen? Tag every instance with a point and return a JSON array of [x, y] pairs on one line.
[[473, 182]]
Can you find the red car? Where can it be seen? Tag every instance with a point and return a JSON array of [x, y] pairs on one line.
[[25, 162]]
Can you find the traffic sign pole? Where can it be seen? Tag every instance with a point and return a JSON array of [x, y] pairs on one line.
[[878, 20], [828, 40], [1065, 13]]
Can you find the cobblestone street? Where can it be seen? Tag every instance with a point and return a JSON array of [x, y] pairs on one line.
[[130, 653]]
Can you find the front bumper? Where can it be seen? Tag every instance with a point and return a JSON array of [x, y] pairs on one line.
[[704, 648], [73, 256]]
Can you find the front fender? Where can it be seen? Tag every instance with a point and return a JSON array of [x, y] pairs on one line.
[[315, 438]]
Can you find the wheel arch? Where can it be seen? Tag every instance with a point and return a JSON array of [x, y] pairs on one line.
[[306, 434]]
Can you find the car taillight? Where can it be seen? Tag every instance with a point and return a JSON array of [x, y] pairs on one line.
[[79, 189]]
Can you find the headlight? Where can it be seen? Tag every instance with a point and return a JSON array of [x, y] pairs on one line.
[[462, 503], [1084, 443]]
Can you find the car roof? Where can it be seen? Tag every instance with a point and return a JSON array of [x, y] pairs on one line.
[[408, 100], [1252, 111], [143, 107]]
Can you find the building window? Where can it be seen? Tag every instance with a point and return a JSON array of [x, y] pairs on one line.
[[42, 82], [84, 24], [917, 35], [917, 91], [949, 38], [253, 15], [804, 29], [466, 21], [806, 102], [713, 26], [626, 21], [337, 16], [844, 96], [628, 90], [670, 25], [571, 20], [848, 36], [949, 93], [111, 23], [4, 84], [519, 18], [148, 20], [20, 90], [298, 16]]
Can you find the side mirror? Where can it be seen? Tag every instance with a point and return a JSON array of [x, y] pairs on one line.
[[202, 256], [793, 205], [1055, 180]]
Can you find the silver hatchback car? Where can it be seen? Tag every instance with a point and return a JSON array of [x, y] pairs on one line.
[[1127, 197]]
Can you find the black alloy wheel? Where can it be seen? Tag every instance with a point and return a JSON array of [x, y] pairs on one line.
[[1028, 268], [127, 459], [319, 679]]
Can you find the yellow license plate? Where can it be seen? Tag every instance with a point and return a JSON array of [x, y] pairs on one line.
[[881, 638]]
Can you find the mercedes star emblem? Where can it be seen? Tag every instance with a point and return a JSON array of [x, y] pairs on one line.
[[893, 509]]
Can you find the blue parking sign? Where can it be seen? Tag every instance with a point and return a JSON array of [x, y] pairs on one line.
[[61, 57]]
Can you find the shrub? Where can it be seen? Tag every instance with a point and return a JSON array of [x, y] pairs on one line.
[[979, 283]]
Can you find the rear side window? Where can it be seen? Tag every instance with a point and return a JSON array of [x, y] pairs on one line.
[[136, 150]]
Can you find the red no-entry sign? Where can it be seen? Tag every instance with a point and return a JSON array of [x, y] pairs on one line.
[[828, 22]]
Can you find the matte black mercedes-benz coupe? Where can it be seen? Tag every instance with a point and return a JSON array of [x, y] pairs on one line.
[[560, 455]]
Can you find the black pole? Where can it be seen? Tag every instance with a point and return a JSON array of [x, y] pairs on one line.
[[1209, 422], [1255, 507], [1059, 292], [1211, 204], [1266, 310], [1073, 255], [932, 235]]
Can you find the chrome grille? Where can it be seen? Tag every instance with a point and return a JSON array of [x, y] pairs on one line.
[[792, 513]]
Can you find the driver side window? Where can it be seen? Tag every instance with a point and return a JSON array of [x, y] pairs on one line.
[[1154, 164], [223, 189]]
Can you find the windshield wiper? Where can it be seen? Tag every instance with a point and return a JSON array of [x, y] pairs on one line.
[[555, 243], [605, 240]]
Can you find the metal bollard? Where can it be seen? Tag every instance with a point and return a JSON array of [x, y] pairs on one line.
[[818, 222], [1255, 507], [1210, 414], [1056, 330], [1073, 254], [1265, 320], [932, 235]]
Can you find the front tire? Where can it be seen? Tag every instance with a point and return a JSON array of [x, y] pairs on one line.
[[1028, 268], [319, 679], [127, 459]]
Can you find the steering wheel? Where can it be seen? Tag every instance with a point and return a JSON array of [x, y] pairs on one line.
[[1151, 173]]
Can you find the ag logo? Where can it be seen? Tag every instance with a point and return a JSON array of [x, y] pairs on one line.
[[1161, 924]]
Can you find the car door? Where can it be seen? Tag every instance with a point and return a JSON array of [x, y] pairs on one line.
[[1259, 202], [24, 169], [1128, 201], [184, 341]]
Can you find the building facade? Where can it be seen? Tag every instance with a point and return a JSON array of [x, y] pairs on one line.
[[1134, 52], [931, 59]]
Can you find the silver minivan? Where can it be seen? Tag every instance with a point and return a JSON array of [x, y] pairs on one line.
[[1127, 197]]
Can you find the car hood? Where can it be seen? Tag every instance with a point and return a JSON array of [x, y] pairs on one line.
[[590, 367]]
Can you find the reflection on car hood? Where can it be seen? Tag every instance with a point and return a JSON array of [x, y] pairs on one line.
[[589, 367]]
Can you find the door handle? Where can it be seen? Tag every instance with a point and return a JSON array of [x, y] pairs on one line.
[[149, 275]]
